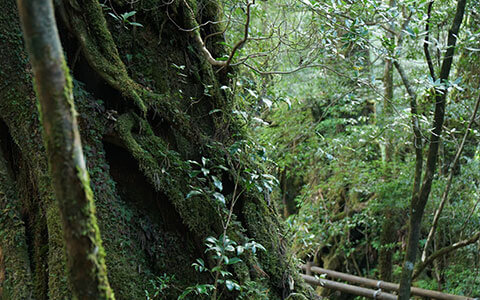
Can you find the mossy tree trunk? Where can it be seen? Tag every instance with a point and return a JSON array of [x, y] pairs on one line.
[[147, 102], [84, 251]]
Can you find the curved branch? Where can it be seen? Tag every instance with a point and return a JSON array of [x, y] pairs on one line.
[[203, 47], [449, 183], [444, 251], [305, 66], [86, 21]]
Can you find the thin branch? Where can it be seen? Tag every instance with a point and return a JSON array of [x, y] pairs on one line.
[[426, 42], [304, 66], [253, 55], [245, 35], [201, 42], [418, 143], [444, 251], [219, 32], [469, 215], [401, 34], [449, 183], [194, 28]]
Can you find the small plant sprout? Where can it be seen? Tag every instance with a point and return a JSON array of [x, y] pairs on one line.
[[125, 19]]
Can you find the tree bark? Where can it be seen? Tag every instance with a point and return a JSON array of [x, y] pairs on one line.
[[84, 251], [418, 203], [14, 260], [387, 235]]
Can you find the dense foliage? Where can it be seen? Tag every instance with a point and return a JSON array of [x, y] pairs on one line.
[[342, 146]]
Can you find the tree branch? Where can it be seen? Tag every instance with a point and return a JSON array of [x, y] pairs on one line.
[[426, 42], [86, 268], [444, 251], [418, 143], [449, 183], [203, 47]]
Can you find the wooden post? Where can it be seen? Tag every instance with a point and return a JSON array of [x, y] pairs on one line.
[[308, 270]]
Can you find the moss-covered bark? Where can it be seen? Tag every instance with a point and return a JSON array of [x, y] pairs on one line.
[[85, 254], [144, 99], [388, 239], [15, 274]]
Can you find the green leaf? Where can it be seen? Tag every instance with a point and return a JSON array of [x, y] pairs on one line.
[[241, 113], [218, 184], [231, 285], [234, 260], [214, 111], [268, 103], [222, 167], [240, 250], [219, 197], [135, 24], [128, 14], [252, 93], [114, 16], [204, 288], [193, 193], [193, 162], [225, 273], [193, 173], [185, 293], [199, 265], [205, 171]]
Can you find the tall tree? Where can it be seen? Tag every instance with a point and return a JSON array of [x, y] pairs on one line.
[[421, 191]]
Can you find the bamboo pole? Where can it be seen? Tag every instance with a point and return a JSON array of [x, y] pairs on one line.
[[384, 285], [347, 288]]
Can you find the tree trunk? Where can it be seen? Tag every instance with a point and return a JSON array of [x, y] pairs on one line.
[[420, 198], [86, 269], [389, 226], [148, 101]]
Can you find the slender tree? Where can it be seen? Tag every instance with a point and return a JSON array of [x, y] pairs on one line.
[[421, 193], [85, 255]]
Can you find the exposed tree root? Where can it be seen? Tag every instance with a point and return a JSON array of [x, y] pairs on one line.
[[166, 172]]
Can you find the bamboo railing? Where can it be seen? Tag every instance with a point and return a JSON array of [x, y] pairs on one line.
[[379, 285]]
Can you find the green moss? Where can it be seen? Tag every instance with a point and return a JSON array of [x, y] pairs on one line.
[[18, 277], [18, 111], [132, 258], [100, 50], [57, 283], [167, 173]]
